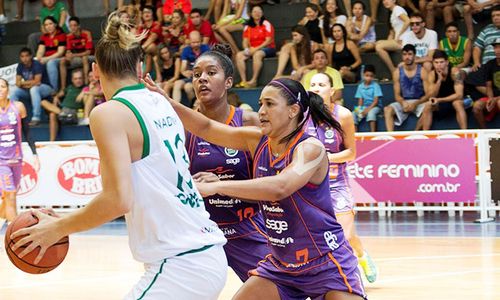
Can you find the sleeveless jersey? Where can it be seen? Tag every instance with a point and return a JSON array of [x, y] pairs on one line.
[[455, 55], [10, 135], [227, 164], [302, 226], [334, 143], [411, 88], [168, 216]]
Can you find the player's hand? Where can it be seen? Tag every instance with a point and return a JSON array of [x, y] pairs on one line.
[[206, 188], [154, 87], [205, 177], [43, 235]]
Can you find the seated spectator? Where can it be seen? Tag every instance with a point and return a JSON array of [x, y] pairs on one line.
[[258, 42], [234, 100], [477, 11], [151, 40], [32, 83], [188, 57], [457, 47], [410, 90], [91, 95], [131, 15], [65, 111], [173, 35], [360, 28], [168, 69], [399, 23], [215, 7], [50, 8], [446, 93], [79, 46], [157, 7], [444, 8], [368, 94], [425, 40], [486, 108], [231, 22], [3, 18], [204, 27], [331, 16], [51, 49], [344, 54], [311, 22], [172, 5], [299, 52], [320, 65]]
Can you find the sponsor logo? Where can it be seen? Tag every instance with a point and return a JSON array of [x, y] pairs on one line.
[[228, 231], [280, 242], [226, 176], [329, 134], [203, 143], [29, 179], [219, 170], [203, 152], [209, 229], [232, 161], [262, 168], [80, 176], [277, 225], [273, 209], [165, 122], [224, 202], [331, 240], [12, 118], [230, 152]]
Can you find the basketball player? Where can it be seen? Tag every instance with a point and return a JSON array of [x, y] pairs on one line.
[[341, 148], [12, 121], [241, 222], [145, 176], [310, 256]]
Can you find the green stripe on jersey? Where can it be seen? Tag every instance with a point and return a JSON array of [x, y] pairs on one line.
[[130, 88], [145, 145]]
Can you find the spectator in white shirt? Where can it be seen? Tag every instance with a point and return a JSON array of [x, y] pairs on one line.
[[425, 40]]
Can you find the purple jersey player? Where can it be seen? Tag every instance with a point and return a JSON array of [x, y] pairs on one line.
[[12, 120], [310, 256], [240, 221]]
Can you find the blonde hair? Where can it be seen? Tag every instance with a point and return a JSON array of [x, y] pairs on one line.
[[119, 49]]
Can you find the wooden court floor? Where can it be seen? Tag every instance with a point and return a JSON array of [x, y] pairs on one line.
[[101, 267]]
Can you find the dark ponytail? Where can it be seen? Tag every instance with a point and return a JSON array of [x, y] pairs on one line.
[[311, 106]]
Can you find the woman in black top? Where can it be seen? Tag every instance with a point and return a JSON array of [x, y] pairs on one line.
[[344, 54], [311, 22], [167, 69]]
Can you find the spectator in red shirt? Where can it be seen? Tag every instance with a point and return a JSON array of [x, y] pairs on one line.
[[258, 42], [196, 22], [51, 49], [173, 35], [151, 40], [171, 5], [79, 46]]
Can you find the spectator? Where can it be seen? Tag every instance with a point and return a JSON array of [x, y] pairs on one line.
[[410, 90], [79, 46], [217, 7], [480, 10], [172, 5], [173, 35], [399, 22], [344, 54], [32, 83], [258, 41], [157, 6], [320, 65], [129, 14], [3, 18], [168, 69], [457, 47], [446, 93], [234, 100], [204, 27], [51, 49], [425, 40], [66, 110], [232, 22], [490, 105], [91, 96], [188, 57], [368, 94], [360, 28], [50, 8], [311, 22], [299, 52], [332, 16], [152, 30], [445, 9]]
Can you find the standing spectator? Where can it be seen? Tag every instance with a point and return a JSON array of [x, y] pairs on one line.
[[425, 40], [79, 46], [320, 65], [299, 53], [168, 69], [258, 41], [399, 24], [150, 42], [410, 90], [196, 22], [173, 35], [360, 29], [32, 83], [490, 105], [311, 22], [232, 22], [443, 8], [51, 49], [66, 110], [172, 5], [368, 94], [331, 16], [480, 10], [344, 54], [188, 58], [446, 93], [457, 47]]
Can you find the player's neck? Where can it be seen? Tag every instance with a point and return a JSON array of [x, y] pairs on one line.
[[110, 87], [218, 111]]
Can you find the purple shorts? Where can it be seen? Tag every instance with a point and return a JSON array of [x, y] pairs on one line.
[[335, 271], [343, 202], [10, 176], [246, 245]]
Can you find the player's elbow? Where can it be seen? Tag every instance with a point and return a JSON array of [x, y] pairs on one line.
[[279, 191]]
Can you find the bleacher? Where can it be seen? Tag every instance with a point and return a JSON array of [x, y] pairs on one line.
[[282, 16]]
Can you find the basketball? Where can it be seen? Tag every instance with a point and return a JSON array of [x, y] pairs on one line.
[[53, 256]]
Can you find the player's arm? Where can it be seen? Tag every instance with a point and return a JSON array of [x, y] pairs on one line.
[[309, 164], [397, 87], [349, 153]]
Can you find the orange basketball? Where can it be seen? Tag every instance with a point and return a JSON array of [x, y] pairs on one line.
[[53, 256]]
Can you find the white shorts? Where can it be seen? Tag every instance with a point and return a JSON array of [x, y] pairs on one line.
[[199, 275], [401, 116]]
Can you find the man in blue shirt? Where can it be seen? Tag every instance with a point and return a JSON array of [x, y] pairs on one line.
[[368, 95]]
